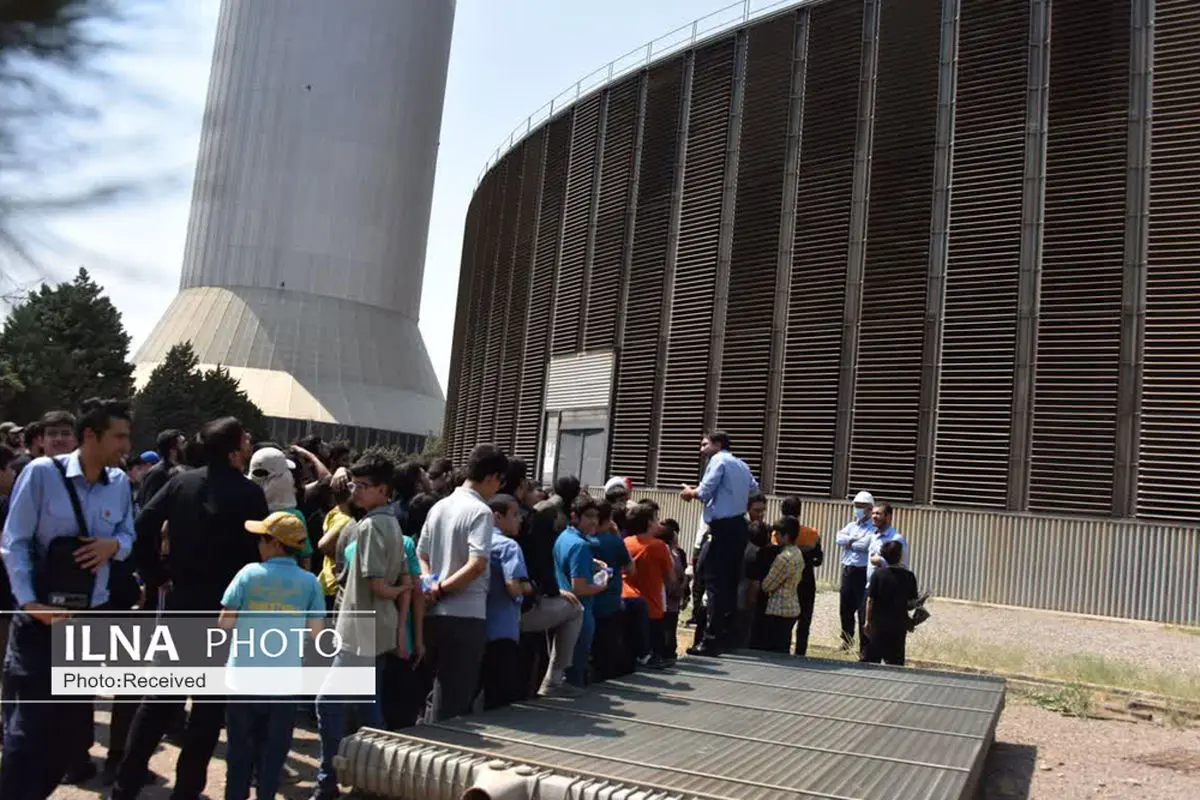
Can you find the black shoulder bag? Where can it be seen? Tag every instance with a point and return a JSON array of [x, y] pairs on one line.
[[59, 581]]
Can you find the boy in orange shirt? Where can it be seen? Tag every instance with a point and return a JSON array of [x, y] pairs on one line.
[[654, 569]]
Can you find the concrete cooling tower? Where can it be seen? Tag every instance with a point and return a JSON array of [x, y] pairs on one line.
[[310, 211]]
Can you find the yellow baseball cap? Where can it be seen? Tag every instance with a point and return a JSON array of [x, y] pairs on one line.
[[282, 526]]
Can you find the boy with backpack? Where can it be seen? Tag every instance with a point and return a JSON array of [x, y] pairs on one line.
[[889, 593]]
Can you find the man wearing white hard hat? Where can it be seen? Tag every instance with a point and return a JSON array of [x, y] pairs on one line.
[[854, 541]]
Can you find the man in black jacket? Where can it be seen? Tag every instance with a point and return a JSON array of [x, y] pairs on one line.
[[205, 511], [169, 446]]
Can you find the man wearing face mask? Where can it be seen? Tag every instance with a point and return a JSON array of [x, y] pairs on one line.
[[854, 541]]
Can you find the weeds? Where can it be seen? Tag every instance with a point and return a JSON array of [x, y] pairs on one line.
[[1071, 700]]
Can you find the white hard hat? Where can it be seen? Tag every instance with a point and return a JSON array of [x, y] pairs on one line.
[[864, 499]]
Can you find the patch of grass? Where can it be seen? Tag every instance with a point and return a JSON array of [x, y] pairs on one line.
[[1071, 700], [1188, 630], [967, 652]]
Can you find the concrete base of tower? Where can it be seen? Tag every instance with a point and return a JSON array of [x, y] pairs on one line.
[[307, 357]]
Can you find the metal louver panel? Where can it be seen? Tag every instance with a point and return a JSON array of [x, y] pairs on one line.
[[452, 431], [479, 410], [1169, 453], [498, 310], [979, 321], [1083, 252], [892, 333], [746, 357], [696, 264], [518, 301], [637, 377], [808, 405], [577, 228], [616, 172], [472, 346], [541, 298]]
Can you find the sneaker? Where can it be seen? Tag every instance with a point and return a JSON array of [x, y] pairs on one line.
[[562, 689], [657, 662], [643, 661]]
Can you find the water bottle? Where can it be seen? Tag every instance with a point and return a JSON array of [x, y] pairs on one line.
[[428, 581]]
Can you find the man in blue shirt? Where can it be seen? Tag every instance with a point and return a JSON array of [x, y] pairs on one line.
[[853, 541], [575, 570], [725, 491], [508, 585], [41, 737]]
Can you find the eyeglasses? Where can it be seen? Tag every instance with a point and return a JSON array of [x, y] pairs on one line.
[[354, 486]]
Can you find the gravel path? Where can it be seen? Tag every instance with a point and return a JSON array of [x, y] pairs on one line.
[[1111, 652]]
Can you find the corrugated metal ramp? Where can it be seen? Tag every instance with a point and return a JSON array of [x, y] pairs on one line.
[[747, 727]]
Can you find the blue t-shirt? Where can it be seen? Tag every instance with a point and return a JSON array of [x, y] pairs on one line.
[[609, 548], [278, 584], [504, 610], [573, 559]]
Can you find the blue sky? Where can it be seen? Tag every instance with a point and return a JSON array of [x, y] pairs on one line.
[[508, 58]]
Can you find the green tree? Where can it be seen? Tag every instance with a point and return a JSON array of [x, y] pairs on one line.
[[170, 397], [222, 396], [433, 447], [179, 395], [62, 345]]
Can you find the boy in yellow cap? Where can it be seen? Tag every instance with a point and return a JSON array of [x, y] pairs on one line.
[[259, 731]]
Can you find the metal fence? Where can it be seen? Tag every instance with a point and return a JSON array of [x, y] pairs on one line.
[[1087, 566]]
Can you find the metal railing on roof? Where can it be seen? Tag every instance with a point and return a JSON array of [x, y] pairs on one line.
[[681, 38]]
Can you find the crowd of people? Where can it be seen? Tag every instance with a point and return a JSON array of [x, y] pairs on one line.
[[483, 588]]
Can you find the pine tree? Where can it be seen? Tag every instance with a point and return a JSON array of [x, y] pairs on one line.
[[62, 345], [170, 398], [221, 395]]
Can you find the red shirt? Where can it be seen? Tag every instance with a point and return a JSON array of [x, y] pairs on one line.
[[653, 561]]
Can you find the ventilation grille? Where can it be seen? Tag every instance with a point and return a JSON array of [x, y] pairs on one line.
[[496, 304], [518, 301], [637, 370], [480, 408], [577, 226], [1079, 330], [979, 322], [475, 327], [456, 401], [607, 272], [746, 360], [1170, 436], [809, 400], [537, 332], [696, 264], [892, 334]]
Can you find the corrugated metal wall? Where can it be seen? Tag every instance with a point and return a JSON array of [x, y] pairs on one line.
[[1109, 568], [757, 228]]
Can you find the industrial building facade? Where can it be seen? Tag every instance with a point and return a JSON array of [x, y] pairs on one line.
[[945, 251]]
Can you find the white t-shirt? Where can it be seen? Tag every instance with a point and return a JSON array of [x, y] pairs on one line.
[[458, 528]]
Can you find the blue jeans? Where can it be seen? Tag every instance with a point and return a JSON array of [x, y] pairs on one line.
[[577, 673], [331, 718], [259, 735]]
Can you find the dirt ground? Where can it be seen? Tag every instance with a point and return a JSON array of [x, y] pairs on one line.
[[1038, 754]]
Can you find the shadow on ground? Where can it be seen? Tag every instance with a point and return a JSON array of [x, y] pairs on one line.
[[1008, 772]]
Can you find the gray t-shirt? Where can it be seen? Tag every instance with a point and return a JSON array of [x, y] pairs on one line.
[[373, 547], [458, 528]]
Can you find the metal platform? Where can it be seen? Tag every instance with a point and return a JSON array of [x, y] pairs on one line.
[[746, 727]]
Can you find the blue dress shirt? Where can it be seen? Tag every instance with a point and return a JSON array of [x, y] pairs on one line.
[[855, 540], [40, 511], [726, 486], [877, 543]]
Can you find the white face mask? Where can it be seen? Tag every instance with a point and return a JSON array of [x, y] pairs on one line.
[[859, 513]]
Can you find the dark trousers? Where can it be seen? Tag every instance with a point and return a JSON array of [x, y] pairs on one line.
[[671, 633], [853, 595], [611, 655], [658, 638], [501, 679], [535, 660], [722, 569], [806, 591], [637, 626], [41, 739], [885, 647], [401, 695], [454, 648], [34, 758], [199, 739], [777, 633], [259, 736], [120, 723]]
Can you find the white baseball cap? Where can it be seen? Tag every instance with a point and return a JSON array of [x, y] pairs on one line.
[[270, 462], [864, 499]]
